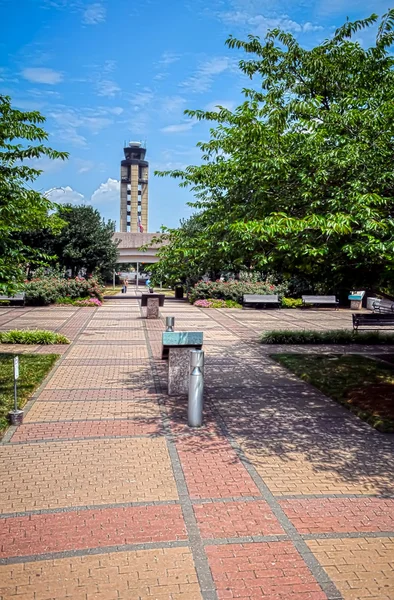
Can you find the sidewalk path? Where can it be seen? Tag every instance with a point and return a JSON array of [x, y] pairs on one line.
[[106, 494]]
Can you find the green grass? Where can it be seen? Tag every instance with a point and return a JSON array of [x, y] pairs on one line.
[[35, 336], [365, 386], [33, 368], [340, 336]]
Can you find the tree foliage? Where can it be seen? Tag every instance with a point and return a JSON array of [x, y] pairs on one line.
[[299, 178], [85, 243], [21, 207]]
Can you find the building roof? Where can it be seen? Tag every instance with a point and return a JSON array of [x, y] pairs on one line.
[[136, 240]]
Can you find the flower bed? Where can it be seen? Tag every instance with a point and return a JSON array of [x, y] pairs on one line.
[[233, 290], [79, 301], [49, 289]]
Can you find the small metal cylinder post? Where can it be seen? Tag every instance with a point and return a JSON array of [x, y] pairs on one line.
[[196, 389], [170, 322]]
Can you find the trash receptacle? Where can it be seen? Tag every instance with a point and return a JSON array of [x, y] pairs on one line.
[[179, 292]]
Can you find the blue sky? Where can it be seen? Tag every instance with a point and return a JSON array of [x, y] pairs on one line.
[[108, 71]]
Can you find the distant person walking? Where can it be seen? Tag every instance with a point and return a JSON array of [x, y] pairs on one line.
[[125, 283]]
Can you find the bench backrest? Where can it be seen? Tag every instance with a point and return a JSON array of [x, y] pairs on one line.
[[373, 318], [260, 298], [319, 299], [385, 303], [19, 296]]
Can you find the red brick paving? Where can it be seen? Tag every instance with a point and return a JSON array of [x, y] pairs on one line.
[[341, 514], [269, 571], [76, 530], [212, 468], [83, 429], [103, 471], [236, 519]]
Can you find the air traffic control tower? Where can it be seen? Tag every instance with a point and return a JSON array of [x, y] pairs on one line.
[[134, 189]]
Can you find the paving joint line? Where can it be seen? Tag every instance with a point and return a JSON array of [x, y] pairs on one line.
[[12, 429], [204, 575], [69, 509], [320, 575], [333, 535], [328, 496], [93, 551], [83, 439]]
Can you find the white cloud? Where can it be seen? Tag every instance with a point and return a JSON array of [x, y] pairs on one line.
[[107, 87], [142, 99], [84, 165], [173, 104], [68, 121], [259, 24], [178, 128], [202, 80], [115, 110], [167, 58], [213, 106], [107, 193], [94, 14], [42, 75], [65, 195]]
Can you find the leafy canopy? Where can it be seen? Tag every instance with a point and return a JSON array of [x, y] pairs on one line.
[[85, 242], [21, 207], [299, 178]]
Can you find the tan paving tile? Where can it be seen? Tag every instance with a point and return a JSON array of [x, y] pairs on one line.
[[147, 574], [98, 409], [294, 473], [362, 568], [79, 473], [113, 376]]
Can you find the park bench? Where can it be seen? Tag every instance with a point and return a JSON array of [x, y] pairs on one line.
[[176, 346], [259, 301], [383, 306], [319, 300], [374, 320], [17, 299]]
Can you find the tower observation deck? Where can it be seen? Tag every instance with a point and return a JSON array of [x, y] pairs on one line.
[[134, 189]]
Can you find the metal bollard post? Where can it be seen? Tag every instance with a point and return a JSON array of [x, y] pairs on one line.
[[196, 389], [170, 322]]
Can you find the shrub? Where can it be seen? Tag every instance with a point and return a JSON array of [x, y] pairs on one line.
[[213, 303], [37, 336], [48, 289], [291, 302], [339, 336], [233, 290]]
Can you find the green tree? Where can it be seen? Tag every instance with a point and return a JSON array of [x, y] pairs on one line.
[[85, 243], [21, 207], [299, 179]]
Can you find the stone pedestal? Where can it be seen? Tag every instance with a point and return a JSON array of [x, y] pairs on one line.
[[152, 308], [356, 304], [179, 370]]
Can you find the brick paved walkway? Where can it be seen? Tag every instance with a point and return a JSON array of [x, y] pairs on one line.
[[106, 494]]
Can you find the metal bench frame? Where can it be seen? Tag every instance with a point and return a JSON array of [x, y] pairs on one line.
[[319, 300], [372, 320], [260, 300]]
